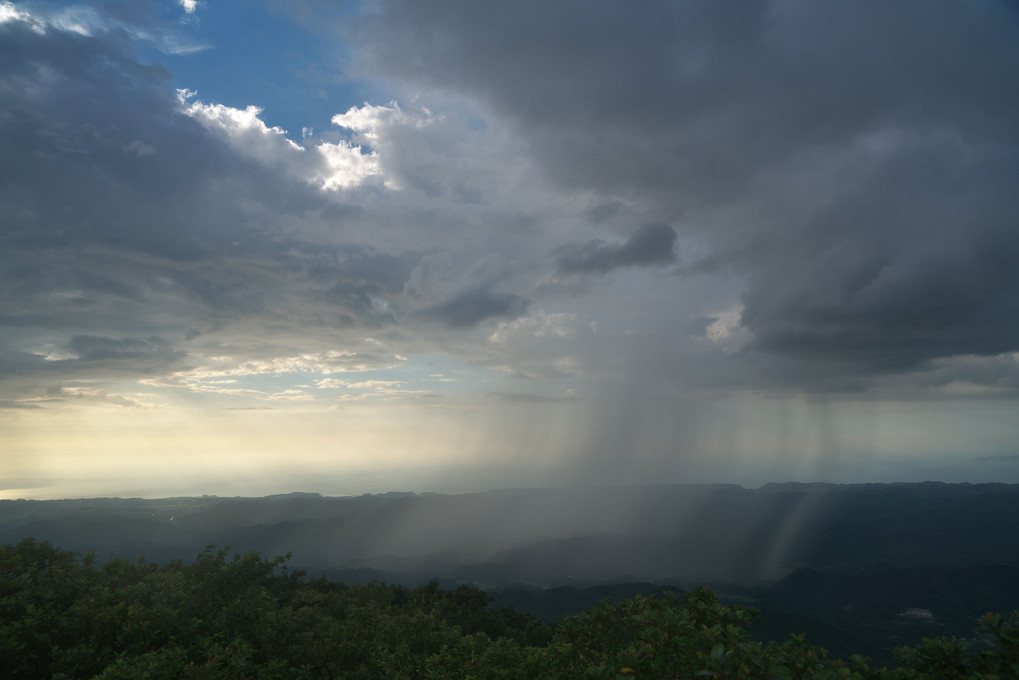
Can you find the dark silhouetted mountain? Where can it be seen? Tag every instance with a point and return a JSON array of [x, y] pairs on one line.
[[675, 534]]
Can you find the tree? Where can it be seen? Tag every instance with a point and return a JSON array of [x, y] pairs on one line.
[[246, 616]]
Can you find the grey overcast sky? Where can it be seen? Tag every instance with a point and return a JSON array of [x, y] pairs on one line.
[[254, 247]]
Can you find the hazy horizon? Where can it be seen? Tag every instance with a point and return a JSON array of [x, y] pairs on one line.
[[254, 247], [339, 491]]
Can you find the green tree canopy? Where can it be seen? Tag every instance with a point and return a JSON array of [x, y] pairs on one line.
[[246, 616]]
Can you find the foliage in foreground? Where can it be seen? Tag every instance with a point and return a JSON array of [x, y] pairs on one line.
[[62, 616]]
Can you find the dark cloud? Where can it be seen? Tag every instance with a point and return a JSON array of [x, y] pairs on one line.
[[681, 95], [355, 297], [853, 164], [91, 348], [650, 245], [919, 260], [15, 363], [474, 306], [95, 356], [95, 150], [983, 375]]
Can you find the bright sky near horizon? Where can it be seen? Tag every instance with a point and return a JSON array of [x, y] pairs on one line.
[[256, 247]]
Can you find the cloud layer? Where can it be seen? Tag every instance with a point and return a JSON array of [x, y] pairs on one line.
[[594, 209], [849, 163]]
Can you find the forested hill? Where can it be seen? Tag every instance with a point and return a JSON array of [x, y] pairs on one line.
[[246, 616], [674, 534]]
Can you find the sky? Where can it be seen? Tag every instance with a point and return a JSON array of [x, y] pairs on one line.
[[346, 247]]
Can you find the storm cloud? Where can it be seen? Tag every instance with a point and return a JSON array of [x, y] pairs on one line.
[[650, 245], [861, 187], [473, 306]]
